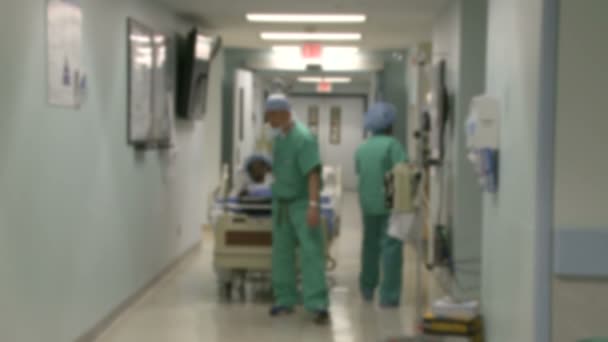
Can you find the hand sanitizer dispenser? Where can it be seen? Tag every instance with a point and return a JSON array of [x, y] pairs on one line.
[[483, 137]]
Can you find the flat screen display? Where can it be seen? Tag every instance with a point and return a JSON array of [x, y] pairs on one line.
[[196, 54]]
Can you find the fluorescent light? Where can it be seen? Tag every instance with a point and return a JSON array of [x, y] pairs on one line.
[[304, 36], [306, 79], [140, 38], [326, 49], [340, 49], [306, 18], [287, 48]]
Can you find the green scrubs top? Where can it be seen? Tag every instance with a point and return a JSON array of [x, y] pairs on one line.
[[374, 158], [294, 156]]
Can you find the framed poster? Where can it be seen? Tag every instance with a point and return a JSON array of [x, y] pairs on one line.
[[313, 119], [335, 124], [65, 78], [163, 90], [151, 87]]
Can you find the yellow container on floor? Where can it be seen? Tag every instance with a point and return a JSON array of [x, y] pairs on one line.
[[463, 327]]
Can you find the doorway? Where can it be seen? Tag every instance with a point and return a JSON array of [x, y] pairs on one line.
[[339, 128]]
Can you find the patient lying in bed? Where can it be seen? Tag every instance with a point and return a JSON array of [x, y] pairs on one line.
[[254, 182]]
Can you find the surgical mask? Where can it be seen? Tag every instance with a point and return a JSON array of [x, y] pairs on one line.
[[274, 133]]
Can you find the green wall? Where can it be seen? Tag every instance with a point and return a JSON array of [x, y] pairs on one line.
[[84, 222], [459, 38], [392, 84]]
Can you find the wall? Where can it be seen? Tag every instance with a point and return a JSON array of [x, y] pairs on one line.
[[233, 60], [245, 143], [358, 88], [459, 38], [84, 222], [392, 88], [579, 304], [509, 222]]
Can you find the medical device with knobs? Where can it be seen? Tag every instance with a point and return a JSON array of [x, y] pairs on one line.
[[399, 189]]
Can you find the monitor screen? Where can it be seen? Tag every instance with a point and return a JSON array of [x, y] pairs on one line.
[[197, 52]]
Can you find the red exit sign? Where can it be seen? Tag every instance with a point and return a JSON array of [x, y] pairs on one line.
[[324, 87], [312, 51]]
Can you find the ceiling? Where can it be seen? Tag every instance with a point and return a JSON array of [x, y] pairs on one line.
[[391, 24]]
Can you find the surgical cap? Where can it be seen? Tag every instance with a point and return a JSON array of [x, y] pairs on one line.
[[380, 117], [278, 103], [257, 157]]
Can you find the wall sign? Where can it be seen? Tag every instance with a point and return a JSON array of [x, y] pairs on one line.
[[65, 79], [335, 124], [313, 119]]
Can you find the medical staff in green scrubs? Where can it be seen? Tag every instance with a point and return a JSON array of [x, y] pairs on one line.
[[296, 214], [382, 255]]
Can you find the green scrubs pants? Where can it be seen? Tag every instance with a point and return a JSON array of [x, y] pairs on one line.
[[379, 248], [291, 232]]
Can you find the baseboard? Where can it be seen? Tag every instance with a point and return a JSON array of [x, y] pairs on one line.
[[95, 332]]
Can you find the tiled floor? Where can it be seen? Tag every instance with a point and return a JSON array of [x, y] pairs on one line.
[[185, 306]]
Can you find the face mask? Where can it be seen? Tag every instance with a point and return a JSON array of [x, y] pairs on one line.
[[274, 133]]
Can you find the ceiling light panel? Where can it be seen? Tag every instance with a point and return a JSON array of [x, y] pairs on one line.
[[307, 79], [307, 18], [306, 36], [326, 49]]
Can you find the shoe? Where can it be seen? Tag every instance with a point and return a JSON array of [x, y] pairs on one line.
[[367, 296], [389, 304], [277, 311], [322, 317]]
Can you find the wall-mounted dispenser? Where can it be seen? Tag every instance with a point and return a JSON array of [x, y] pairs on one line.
[[483, 139]]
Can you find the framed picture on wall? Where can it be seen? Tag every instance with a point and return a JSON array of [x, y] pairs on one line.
[[313, 119], [66, 81], [150, 87], [163, 90], [335, 124]]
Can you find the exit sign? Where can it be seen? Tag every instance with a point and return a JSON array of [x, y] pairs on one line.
[[312, 51], [324, 87]]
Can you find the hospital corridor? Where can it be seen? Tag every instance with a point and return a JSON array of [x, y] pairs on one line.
[[303, 170], [185, 305]]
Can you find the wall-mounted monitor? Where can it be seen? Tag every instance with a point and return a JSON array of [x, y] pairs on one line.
[[196, 52]]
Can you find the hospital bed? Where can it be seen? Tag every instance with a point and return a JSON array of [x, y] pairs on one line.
[[243, 231]]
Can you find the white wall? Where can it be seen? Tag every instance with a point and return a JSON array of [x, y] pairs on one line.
[[459, 39], [579, 305], [243, 145], [84, 222], [212, 134], [509, 230]]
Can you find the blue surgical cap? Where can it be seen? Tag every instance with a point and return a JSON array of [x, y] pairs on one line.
[[380, 117], [278, 103], [257, 157]]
